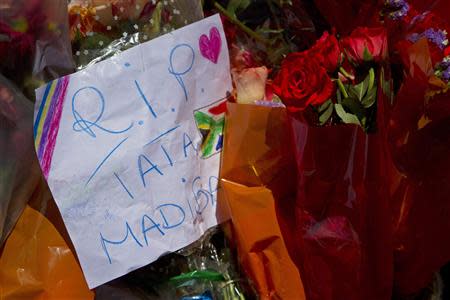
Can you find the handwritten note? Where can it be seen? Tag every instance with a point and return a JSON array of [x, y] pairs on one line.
[[131, 148]]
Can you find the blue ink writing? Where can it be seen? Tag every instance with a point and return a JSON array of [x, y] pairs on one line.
[[162, 135], [178, 74], [124, 186], [187, 141], [145, 229], [87, 126], [152, 167], [147, 103], [104, 160], [172, 215], [166, 223], [167, 156], [198, 196], [104, 241]]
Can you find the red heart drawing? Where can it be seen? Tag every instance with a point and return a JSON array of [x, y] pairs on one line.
[[210, 47]]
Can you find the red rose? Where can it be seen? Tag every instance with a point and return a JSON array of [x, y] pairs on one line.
[[366, 44], [302, 82], [325, 51]]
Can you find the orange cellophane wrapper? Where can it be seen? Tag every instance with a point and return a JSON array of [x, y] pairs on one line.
[[257, 188], [419, 140], [36, 263]]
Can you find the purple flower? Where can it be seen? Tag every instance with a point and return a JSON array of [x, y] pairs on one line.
[[395, 3], [446, 75], [442, 69], [396, 9], [436, 36], [445, 63]]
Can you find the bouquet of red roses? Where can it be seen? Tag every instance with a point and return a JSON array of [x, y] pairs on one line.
[[335, 82], [335, 93]]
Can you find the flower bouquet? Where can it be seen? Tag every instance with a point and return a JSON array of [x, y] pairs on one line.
[[334, 188], [335, 93], [417, 141], [419, 145]]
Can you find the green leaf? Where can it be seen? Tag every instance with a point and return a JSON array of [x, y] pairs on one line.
[[371, 78], [324, 105], [354, 106], [346, 117], [370, 98], [237, 5], [342, 88], [366, 55], [338, 95], [358, 91], [325, 116]]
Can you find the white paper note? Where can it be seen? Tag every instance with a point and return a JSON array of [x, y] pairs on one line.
[[131, 148]]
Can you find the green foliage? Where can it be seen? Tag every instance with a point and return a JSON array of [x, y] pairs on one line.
[[355, 103], [326, 110], [347, 118], [235, 6]]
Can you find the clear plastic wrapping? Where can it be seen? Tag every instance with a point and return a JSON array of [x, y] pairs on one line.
[[20, 172], [102, 28], [34, 42]]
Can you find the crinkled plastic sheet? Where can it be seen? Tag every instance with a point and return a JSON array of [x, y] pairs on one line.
[[419, 140], [343, 221], [36, 263], [34, 47], [34, 258], [206, 267], [258, 190], [19, 170], [101, 28], [34, 42]]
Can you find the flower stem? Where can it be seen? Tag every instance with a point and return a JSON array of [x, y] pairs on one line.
[[346, 74], [342, 88], [241, 25]]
